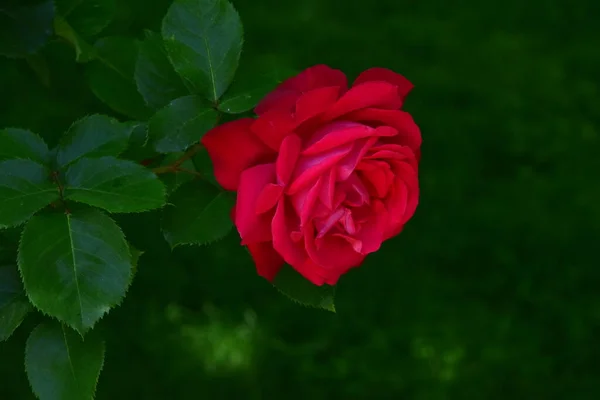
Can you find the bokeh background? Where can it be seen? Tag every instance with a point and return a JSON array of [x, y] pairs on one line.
[[492, 290]]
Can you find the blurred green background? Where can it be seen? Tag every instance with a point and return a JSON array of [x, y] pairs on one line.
[[491, 291]]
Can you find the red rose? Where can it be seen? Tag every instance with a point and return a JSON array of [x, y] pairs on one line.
[[325, 173]]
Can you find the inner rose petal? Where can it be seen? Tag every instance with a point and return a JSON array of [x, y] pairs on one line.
[[356, 193], [309, 168], [332, 254], [304, 201]]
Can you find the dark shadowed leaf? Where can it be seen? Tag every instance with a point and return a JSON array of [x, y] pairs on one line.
[[204, 41], [14, 305], [155, 77], [24, 28], [118, 186], [60, 365], [110, 76], [289, 282], [75, 266], [253, 81], [86, 17], [93, 136], [135, 258], [25, 188], [21, 143], [174, 180], [84, 51], [181, 123], [197, 213]]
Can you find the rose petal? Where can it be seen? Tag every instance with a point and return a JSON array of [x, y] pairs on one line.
[[326, 194], [253, 227], [287, 158], [409, 133], [284, 223], [311, 78], [366, 95], [333, 255], [268, 262], [282, 100], [386, 75], [272, 127], [339, 133], [305, 200], [268, 197], [377, 175], [347, 165], [315, 102], [308, 169], [233, 148]]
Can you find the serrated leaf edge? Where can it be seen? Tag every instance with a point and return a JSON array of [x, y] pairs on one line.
[[129, 282]]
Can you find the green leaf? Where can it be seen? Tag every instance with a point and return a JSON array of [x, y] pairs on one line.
[[289, 282], [155, 77], [62, 366], [87, 17], [139, 148], [110, 76], [25, 188], [84, 52], [135, 258], [204, 166], [174, 180], [251, 85], [75, 266], [118, 186], [204, 40], [198, 213], [14, 305], [181, 123], [24, 28], [93, 136], [21, 143]]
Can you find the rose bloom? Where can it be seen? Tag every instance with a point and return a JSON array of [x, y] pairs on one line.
[[324, 174]]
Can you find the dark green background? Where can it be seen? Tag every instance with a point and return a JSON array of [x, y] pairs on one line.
[[491, 292]]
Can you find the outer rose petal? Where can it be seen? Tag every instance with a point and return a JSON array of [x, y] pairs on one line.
[[253, 227], [232, 147], [409, 133], [375, 94], [272, 127], [386, 75], [268, 262], [290, 90]]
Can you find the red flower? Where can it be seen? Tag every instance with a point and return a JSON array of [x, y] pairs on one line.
[[325, 173]]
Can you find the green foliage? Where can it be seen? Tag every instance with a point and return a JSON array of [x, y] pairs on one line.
[[198, 213], [93, 136], [182, 122], [244, 94], [14, 305], [289, 282], [111, 76], [61, 365], [21, 143], [75, 266], [86, 17], [118, 186], [24, 28], [204, 41], [103, 179], [155, 77], [25, 188]]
